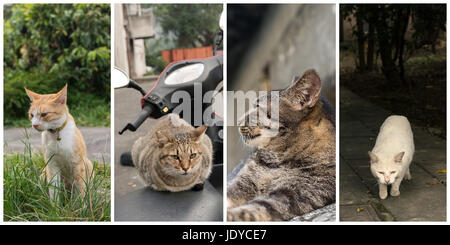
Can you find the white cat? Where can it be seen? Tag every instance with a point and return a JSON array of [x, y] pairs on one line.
[[392, 154]]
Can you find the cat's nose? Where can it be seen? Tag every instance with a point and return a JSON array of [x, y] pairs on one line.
[[36, 125], [185, 167], [387, 180]]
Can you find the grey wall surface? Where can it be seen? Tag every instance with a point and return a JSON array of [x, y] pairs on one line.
[[120, 45], [293, 38]]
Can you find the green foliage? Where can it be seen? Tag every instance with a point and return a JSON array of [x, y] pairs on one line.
[[26, 193], [183, 26], [428, 21], [156, 61], [49, 45], [87, 109], [194, 25], [16, 100], [390, 24]]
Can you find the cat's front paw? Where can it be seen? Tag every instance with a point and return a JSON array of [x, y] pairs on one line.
[[383, 194], [395, 192], [198, 187], [408, 176], [156, 187], [246, 214], [240, 214]]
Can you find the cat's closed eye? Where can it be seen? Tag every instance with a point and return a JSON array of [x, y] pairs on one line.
[[381, 172], [393, 172]]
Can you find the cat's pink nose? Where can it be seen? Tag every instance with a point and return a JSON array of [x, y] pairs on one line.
[[36, 125]]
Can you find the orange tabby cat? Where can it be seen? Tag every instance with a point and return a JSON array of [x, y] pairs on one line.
[[63, 144]]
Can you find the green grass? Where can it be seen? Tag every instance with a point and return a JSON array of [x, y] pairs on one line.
[[88, 110], [26, 195]]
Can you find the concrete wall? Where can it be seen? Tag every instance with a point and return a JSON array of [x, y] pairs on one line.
[[139, 58], [294, 38], [308, 42], [136, 27], [120, 45]]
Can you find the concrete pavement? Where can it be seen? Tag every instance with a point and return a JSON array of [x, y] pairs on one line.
[[97, 139], [127, 105]]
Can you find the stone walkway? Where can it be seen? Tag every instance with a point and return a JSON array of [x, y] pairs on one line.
[[97, 139], [421, 199]]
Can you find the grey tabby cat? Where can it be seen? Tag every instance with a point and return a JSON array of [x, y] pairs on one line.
[[293, 172], [173, 156]]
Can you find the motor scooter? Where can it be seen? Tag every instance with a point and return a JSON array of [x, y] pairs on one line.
[[200, 80]]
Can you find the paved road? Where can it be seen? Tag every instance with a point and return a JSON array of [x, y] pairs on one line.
[[421, 199], [126, 106], [98, 141]]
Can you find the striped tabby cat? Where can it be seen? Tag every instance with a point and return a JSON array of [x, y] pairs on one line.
[[293, 172], [173, 156]]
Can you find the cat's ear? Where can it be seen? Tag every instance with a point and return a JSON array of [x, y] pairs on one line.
[[162, 137], [398, 158], [295, 79], [304, 91], [199, 131], [32, 95], [61, 96], [373, 157]]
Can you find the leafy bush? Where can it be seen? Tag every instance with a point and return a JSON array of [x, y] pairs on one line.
[[181, 26], [16, 100], [88, 109], [49, 45], [156, 61]]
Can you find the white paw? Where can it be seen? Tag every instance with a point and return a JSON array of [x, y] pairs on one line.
[[383, 194], [395, 193]]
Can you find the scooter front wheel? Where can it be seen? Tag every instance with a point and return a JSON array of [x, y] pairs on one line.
[[126, 159]]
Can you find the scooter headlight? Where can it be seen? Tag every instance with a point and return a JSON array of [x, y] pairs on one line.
[[185, 74]]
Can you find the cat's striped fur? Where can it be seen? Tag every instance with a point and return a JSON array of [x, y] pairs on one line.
[[293, 172], [174, 156]]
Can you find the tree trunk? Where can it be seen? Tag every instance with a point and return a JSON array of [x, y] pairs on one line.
[[341, 28], [385, 47], [371, 44], [396, 33], [405, 21], [360, 37]]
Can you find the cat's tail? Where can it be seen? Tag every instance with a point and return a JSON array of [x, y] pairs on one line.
[[126, 159]]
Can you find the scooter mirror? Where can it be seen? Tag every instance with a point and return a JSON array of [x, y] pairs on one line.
[[222, 21], [119, 78]]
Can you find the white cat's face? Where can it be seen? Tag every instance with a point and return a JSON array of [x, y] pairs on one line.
[[386, 170], [386, 173]]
